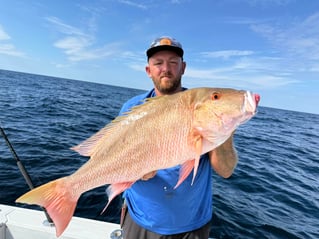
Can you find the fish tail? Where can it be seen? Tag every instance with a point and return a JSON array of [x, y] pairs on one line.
[[56, 198]]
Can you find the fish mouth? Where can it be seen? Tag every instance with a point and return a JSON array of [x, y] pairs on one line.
[[249, 108], [246, 112], [250, 103]]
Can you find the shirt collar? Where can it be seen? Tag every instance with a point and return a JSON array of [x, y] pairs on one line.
[[152, 93]]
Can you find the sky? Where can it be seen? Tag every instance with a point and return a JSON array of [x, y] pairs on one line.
[[270, 47]]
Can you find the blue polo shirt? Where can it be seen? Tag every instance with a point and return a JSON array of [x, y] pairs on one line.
[[155, 205]]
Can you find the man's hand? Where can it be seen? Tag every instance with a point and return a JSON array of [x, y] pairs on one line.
[[224, 158], [148, 176]]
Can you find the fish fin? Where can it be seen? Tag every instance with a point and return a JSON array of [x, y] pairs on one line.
[[184, 171], [196, 163], [87, 147], [56, 199], [196, 141], [115, 189], [198, 149]]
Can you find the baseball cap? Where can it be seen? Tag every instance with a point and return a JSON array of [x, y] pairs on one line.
[[165, 43]]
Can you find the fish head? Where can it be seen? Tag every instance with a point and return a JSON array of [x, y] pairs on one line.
[[219, 111]]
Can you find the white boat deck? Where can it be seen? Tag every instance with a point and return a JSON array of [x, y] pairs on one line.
[[21, 223]]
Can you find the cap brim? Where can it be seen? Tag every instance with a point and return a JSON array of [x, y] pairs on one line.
[[156, 49]]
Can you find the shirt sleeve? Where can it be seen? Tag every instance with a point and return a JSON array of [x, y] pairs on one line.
[[137, 100]]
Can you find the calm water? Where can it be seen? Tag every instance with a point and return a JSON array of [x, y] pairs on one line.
[[274, 192]]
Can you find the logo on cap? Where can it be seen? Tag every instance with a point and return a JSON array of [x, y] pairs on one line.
[[165, 41]]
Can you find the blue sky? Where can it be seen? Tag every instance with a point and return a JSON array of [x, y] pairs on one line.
[[267, 46]]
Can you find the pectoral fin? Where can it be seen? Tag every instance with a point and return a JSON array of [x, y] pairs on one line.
[[196, 142], [184, 171], [115, 189], [198, 150]]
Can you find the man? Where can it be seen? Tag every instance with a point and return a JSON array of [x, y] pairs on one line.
[[154, 208]]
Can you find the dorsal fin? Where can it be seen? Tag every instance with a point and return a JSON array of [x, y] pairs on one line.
[[86, 148]]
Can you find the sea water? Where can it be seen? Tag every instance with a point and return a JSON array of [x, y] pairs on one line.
[[273, 193]]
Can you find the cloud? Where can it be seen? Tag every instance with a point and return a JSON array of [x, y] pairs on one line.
[[217, 74], [226, 54], [8, 48], [65, 28], [78, 49], [3, 34], [230, 77], [247, 71], [137, 67], [176, 1], [299, 40], [315, 68], [133, 4], [79, 45], [294, 53], [269, 3]]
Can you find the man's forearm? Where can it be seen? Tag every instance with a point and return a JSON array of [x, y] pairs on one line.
[[224, 158]]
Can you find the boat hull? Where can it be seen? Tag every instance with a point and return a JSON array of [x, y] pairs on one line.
[[22, 223]]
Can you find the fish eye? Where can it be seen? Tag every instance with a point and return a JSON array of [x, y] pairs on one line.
[[216, 96]]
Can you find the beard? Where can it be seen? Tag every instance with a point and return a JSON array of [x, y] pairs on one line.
[[168, 86]]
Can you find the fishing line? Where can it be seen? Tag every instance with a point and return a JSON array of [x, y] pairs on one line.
[[22, 169]]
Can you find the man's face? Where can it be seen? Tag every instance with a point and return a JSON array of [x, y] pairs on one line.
[[166, 69]]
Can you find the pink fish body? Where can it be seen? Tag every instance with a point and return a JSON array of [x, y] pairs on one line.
[[163, 132]]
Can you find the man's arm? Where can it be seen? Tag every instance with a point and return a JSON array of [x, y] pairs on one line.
[[224, 158]]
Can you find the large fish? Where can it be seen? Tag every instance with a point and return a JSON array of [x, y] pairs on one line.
[[163, 132]]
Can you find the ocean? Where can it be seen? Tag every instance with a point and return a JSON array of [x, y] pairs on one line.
[[273, 193]]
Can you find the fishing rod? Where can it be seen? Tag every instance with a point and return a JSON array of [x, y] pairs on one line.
[[23, 170]]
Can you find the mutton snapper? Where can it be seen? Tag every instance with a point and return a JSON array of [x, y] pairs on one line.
[[187, 125]]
